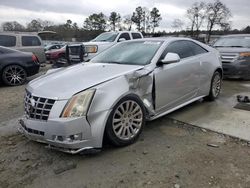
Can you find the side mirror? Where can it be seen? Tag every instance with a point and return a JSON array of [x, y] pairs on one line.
[[170, 58], [121, 39]]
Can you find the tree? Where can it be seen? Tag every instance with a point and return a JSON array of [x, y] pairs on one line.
[[68, 24], [95, 22], [196, 14], [75, 26], [146, 17], [177, 24], [46, 24], [34, 25], [12, 26], [138, 18], [127, 22], [217, 14], [246, 30], [155, 18], [114, 19]]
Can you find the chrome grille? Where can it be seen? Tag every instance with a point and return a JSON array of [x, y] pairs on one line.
[[37, 107], [228, 57]]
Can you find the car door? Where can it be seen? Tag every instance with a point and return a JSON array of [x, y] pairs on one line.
[[176, 83]]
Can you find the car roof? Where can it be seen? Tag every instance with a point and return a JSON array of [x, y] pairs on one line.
[[164, 39], [236, 35], [121, 32], [171, 39], [15, 33]]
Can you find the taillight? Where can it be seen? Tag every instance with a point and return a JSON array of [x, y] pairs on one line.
[[34, 58]]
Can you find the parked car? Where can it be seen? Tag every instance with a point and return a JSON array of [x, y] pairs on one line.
[[16, 66], [53, 47], [63, 58], [27, 42], [106, 40], [235, 55], [55, 53], [72, 108]]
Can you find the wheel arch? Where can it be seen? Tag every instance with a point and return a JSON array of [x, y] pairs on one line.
[[219, 69], [126, 95], [3, 66], [103, 103]]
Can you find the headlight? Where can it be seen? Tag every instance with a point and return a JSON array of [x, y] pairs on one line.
[[245, 54], [91, 49], [78, 105]]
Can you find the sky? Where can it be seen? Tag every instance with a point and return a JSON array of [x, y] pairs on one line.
[[58, 11]]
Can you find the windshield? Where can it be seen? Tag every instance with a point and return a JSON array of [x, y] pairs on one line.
[[133, 52], [243, 42], [106, 37]]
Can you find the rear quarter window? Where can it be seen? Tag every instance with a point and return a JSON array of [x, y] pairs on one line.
[[136, 36], [180, 48], [30, 41], [197, 49], [7, 40]]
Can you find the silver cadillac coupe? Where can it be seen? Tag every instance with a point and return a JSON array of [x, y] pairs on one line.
[[74, 109]]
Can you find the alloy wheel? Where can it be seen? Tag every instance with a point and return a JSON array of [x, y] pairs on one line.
[[14, 75], [127, 120], [216, 85]]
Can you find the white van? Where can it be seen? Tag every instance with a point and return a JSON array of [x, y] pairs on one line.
[[27, 42]]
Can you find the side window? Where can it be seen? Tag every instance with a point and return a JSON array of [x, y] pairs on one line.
[[180, 48], [197, 49], [30, 41], [7, 40], [136, 36], [125, 36]]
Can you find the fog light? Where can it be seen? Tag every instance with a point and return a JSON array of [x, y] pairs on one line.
[[58, 138], [74, 137]]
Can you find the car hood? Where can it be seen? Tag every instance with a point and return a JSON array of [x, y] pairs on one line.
[[97, 43], [63, 83], [232, 50]]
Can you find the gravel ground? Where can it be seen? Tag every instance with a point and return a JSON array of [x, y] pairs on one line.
[[168, 154]]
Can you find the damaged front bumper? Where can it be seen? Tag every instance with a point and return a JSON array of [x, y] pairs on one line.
[[68, 135]]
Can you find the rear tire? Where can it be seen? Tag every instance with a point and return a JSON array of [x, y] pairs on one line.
[[14, 75], [126, 121], [215, 87]]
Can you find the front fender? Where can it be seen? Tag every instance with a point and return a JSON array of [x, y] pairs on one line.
[[109, 93]]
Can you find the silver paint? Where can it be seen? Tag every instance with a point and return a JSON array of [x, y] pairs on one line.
[[162, 89]]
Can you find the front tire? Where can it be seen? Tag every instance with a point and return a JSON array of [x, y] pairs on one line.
[[14, 75], [215, 87], [126, 121]]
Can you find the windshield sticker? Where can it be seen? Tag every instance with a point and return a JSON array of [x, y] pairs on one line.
[[152, 42]]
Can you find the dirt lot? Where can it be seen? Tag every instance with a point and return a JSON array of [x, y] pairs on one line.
[[168, 154]]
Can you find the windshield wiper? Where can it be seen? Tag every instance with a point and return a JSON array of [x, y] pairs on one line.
[[218, 46], [229, 46], [99, 40], [236, 46], [114, 62]]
